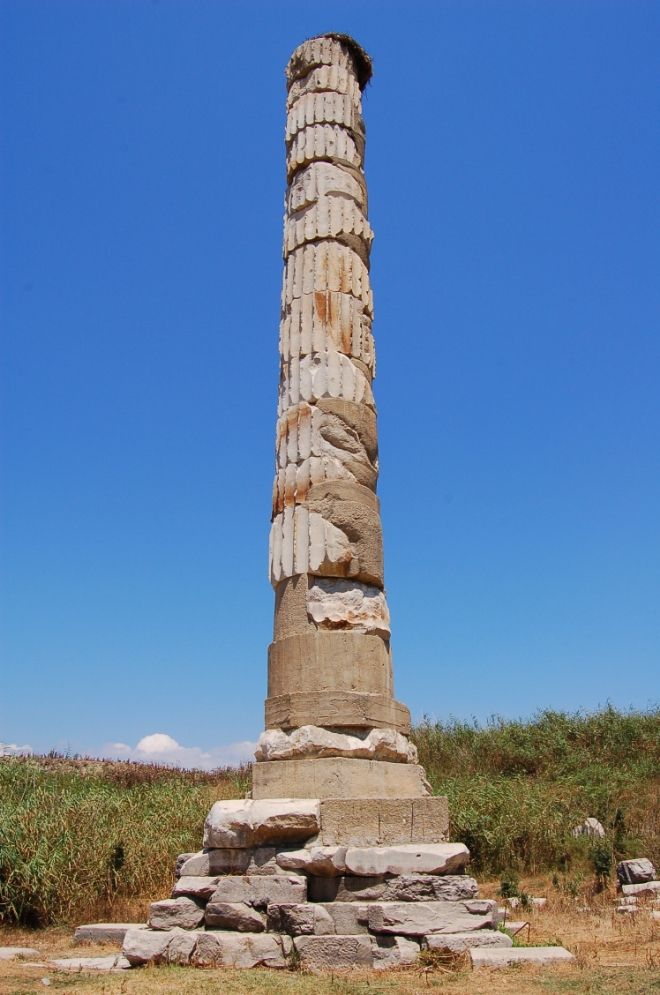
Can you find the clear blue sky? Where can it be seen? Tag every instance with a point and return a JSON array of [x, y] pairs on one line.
[[513, 163]]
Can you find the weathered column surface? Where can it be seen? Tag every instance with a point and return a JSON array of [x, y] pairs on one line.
[[333, 726], [340, 857]]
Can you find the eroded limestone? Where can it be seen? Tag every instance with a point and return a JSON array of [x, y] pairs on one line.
[[249, 823]]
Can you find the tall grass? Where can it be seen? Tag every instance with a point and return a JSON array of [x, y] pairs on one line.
[[516, 789], [79, 839]]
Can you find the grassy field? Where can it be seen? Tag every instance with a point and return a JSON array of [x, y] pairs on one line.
[[84, 840], [517, 788]]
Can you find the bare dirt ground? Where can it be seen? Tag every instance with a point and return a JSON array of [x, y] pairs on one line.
[[615, 955]]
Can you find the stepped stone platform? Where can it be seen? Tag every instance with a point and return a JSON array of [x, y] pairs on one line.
[[268, 891], [340, 858]]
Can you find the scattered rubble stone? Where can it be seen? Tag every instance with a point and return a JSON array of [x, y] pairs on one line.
[[590, 827], [637, 871]]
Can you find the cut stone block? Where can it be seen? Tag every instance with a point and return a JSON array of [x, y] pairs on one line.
[[421, 918], [319, 919], [403, 888], [330, 777], [180, 861], [260, 890], [345, 889], [249, 823], [637, 871], [408, 858], [430, 820], [146, 946], [647, 888], [300, 920], [13, 953], [346, 709], [494, 957], [105, 932], [329, 661], [394, 951], [383, 821], [457, 942], [181, 947], [320, 952], [348, 917], [241, 950], [430, 887], [482, 907], [309, 742], [227, 860], [115, 962], [324, 861], [234, 915], [195, 887], [183, 912]]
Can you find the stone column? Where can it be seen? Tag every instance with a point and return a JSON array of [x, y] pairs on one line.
[[333, 726]]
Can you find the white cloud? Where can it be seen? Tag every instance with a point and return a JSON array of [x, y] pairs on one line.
[[13, 750], [158, 747], [158, 742]]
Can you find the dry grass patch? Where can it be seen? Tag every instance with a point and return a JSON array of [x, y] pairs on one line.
[[615, 956]]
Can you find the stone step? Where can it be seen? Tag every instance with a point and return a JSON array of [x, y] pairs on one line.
[[12, 953], [651, 888], [489, 957], [457, 942], [105, 932], [378, 861], [399, 888], [113, 963]]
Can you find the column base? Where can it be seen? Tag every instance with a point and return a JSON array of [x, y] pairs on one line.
[[337, 777]]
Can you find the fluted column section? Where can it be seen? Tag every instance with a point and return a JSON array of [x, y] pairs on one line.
[[329, 663]]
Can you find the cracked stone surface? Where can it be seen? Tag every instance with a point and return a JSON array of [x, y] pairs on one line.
[[326, 524], [315, 741]]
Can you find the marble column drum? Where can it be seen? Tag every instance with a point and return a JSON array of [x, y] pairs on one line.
[[332, 725]]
